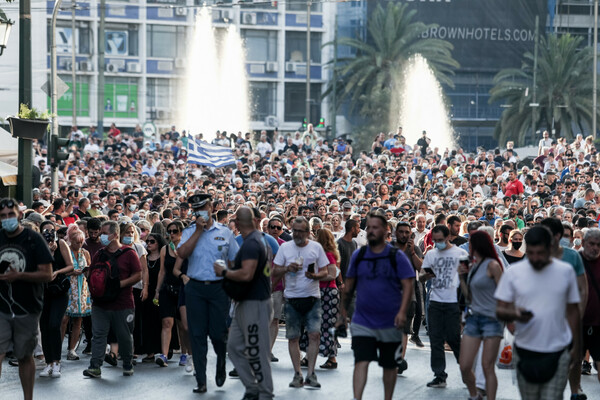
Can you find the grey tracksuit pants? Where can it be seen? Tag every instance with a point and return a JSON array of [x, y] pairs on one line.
[[249, 346]]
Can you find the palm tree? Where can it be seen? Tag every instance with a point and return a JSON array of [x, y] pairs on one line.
[[563, 86], [369, 79]]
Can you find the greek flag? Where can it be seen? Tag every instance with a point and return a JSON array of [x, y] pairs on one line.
[[210, 155]]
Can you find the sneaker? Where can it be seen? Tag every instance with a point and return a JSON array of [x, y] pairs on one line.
[[273, 358], [298, 381], [92, 372], [46, 372], [586, 368], [40, 363], [416, 340], [304, 363], [13, 362], [72, 356], [161, 360], [578, 396], [128, 371], [402, 366], [183, 360], [234, 374], [88, 350], [56, 370], [312, 381], [111, 358], [189, 365], [437, 383]]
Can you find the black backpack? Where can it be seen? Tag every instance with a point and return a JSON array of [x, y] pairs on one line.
[[391, 255]]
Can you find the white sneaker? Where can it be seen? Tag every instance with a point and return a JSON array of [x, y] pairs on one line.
[[189, 365], [40, 363], [72, 356], [56, 370], [46, 372]]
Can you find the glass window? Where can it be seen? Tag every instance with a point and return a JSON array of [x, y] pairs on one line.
[[263, 99], [121, 98], [295, 47], [301, 5], [260, 45], [158, 93], [165, 41], [295, 102]]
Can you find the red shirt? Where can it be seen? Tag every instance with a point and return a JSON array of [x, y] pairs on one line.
[[514, 187], [591, 316], [329, 284], [129, 264], [114, 132]]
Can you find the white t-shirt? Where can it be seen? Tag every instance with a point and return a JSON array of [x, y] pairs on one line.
[[263, 148], [546, 294], [296, 283], [141, 252], [445, 266]]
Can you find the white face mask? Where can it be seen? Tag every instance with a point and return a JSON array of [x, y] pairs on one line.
[[434, 198]]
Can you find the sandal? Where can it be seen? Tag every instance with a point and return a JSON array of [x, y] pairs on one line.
[[329, 365], [148, 359], [304, 363], [111, 358]]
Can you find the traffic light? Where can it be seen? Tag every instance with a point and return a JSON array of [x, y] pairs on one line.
[[305, 123], [321, 123], [58, 150]]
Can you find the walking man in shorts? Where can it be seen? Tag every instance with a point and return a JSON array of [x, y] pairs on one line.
[[25, 264], [378, 322]]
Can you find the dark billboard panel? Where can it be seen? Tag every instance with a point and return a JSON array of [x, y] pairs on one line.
[[486, 34]]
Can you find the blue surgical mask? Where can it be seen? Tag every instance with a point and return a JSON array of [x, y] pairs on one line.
[[10, 224], [202, 214], [127, 239], [565, 242], [440, 245], [132, 207], [104, 240]]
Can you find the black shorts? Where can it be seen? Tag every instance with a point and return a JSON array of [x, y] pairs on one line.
[[370, 349], [591, 341]]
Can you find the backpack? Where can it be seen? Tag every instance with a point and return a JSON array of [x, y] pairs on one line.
[[391, 255], [103, 280], [239, 291]]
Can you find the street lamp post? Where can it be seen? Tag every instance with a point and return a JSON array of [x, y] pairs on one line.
[[5, 27], [25, 159]]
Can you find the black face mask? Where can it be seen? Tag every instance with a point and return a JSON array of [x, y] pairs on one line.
[[517, 245]]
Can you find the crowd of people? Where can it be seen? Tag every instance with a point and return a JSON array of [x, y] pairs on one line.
[[141, 254]]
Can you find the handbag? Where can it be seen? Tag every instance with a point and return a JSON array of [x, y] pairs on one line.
[[59, 286], [302, 305], [537, 367]]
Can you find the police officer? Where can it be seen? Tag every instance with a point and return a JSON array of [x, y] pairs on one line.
[[203, 243]]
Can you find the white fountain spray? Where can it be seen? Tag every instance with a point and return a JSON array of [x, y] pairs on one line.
[[216, 86], [422, 106]]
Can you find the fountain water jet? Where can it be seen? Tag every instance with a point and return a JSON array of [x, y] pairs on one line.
[[422, 106], [215, 87]]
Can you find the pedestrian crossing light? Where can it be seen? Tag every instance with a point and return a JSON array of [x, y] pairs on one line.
[[58, 150], [321, 123], [304, 123]]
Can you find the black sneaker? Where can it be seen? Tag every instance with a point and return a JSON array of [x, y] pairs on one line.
[[586, 368], [579, 396], [88, 350], [200, 389], [92, 372], [437, 383], [234, 374], [402, 366], [416, 340], [273, 358], [128, 371]]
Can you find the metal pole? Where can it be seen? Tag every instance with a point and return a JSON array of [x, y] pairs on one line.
[[595, 80], [25, 159], [334, 94], [308, 101], [74, 64], [54, 96], [101, 68], [535, 58]]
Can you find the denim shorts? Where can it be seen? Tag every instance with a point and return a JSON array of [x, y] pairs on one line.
[[294, 321], [480, 326]]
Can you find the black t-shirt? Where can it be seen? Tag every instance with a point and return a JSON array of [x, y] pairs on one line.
[[255, 247], [346, 249], [24, 253]]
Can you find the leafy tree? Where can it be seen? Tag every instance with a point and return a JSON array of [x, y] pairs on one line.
[[369, 79], [564, 89]]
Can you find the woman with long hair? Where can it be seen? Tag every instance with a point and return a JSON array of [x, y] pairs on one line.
[[167, 292], [330, 301], [478, 283], [80, 304], [514, 252], [56, 300], [150, 318]]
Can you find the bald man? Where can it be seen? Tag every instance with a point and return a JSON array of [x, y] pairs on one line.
[[249, 343]]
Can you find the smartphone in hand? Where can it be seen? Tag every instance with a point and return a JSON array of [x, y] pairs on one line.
[[311, 268], [429, 271]]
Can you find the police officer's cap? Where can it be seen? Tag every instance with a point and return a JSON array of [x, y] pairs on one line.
[[199, 200]]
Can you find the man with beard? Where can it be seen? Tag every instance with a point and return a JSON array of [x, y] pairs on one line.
[[304, 263], [540, 294], [378, 322]]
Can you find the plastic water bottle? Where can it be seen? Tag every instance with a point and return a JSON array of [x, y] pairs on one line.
[[291, 276]]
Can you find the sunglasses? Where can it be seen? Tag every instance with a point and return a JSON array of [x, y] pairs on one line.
[[7, 203], [275, 227], [173, 231], [150, 241]]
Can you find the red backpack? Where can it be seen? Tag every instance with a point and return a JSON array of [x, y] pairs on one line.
[[103, 279]]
